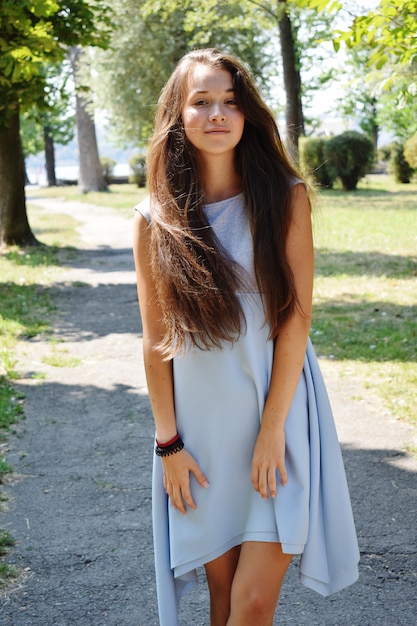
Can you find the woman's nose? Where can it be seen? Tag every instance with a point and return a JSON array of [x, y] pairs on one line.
[[217, 113]]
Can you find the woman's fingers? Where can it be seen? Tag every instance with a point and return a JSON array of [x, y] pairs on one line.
[[177, 480], [283, 473], [264, 479], [272, 482], [268, 459]]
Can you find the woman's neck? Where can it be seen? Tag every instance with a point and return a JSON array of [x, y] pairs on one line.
[[220, 180]]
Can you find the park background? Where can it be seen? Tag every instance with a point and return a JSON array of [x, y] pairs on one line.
[[354, 67]]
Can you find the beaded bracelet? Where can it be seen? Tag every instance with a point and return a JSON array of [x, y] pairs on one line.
[[172, 446]]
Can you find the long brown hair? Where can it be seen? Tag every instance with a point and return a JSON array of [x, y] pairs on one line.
[[195, 279]]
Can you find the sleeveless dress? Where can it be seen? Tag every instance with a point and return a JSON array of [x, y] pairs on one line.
[[219, 399]]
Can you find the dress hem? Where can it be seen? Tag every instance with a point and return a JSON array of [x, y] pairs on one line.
[[262, 537]]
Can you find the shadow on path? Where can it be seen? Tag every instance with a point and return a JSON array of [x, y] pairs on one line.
[[80, 502]]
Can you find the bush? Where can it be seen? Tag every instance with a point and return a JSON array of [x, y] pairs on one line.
[[384, 153], [397, 164], [313, 161], [107, 166], [410, 151], [349, 157], [137, 164]]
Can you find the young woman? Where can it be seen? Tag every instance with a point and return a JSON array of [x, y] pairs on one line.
[[224, 258]]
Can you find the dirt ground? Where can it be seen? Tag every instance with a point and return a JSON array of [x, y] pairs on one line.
[[79, 502]]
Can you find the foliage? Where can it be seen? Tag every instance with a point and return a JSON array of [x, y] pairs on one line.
[[313, 161], [410, 151], [144, 50], [398, 166], [389, 31], [397, 109], [137, 164], [53, 110], [359, 102], [35, 33], [349, 156], [311, 29], [107, 165]]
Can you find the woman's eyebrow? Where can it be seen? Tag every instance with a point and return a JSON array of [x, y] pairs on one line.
[[197, 91]]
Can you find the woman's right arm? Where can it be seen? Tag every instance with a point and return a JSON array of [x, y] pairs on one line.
[[159, 377], [158, 371]]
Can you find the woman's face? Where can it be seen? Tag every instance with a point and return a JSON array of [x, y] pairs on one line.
[[212, 120]]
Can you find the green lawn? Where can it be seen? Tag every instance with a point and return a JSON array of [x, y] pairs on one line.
[[365, 303]]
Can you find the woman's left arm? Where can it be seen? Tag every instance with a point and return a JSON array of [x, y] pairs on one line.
[[289, 352]]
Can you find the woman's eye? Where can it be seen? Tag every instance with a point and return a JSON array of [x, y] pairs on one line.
[[231, 102], [200, 103]]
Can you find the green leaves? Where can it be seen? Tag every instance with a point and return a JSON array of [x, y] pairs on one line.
[[321, 5], [35, 33]]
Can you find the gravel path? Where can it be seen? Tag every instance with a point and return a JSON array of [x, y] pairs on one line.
[[79, 503]]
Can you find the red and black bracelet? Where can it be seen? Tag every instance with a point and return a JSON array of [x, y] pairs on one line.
[[172, 446]]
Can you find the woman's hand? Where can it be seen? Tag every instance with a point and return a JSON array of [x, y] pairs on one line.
[[177, 468], [268, 457]]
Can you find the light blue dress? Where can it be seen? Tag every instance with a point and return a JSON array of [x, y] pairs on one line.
[[219, 399]]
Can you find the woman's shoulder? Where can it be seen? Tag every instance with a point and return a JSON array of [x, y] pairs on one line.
[[144, 208], [295, 180]]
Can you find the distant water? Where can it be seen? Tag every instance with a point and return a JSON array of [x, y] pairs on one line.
[[37, 175]]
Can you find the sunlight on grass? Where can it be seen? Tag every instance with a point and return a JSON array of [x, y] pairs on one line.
[[61, 358], [365, 298], [58, 230]]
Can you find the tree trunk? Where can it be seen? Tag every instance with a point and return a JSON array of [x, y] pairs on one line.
[[90, 175], [14, 225], [294, 117], [375, 125], [49, 157]]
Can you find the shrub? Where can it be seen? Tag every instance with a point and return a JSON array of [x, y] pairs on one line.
[[410, 151], [107, 166], [349, 157], [313, 160], [384, 153], [397, 164], [137, 164]]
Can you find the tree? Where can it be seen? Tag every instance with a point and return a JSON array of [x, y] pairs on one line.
[[32, 34], [91, 176], [389, 32], [360, 102], [398, 113], [50, 121], [410, 151], [294, 117], [144, 50], [299, 30]]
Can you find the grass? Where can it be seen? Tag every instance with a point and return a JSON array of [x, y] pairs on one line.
[[8, 572], [365, 305], [25, 312]]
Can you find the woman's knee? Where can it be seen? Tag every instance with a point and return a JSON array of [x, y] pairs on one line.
[[253, 605], [257, 584]]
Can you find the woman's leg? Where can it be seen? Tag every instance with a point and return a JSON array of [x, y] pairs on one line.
[[257, 583], [220, 573]]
